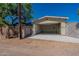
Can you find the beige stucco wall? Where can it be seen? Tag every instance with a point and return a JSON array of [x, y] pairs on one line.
[[35, 29], [48, 22], [63, 28]]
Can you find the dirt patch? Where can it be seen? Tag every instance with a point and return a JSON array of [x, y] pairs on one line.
[[33, 47]]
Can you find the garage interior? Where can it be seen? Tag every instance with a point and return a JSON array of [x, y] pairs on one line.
[[50, 28]]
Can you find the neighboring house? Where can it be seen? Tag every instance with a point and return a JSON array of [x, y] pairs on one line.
[[54, 25]]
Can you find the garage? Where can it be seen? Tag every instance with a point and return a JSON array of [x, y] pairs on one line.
[[50, 28], [49, 25]]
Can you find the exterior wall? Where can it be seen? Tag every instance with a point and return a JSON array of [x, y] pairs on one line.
[[48, 22], [26, 31], [35, 29], [5, 32], [63, 27], [70, 29]]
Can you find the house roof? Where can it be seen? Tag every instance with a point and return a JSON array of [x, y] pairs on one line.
[[60, 17], [51, 18]]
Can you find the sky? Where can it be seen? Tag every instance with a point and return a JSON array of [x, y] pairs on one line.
[[56, 9]]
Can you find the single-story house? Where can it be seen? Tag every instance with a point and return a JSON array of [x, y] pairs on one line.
[[53, 25]]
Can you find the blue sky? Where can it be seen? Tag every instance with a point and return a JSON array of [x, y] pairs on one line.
[[56, 9]]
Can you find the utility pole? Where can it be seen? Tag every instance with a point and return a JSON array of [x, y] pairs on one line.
[[19, 17]]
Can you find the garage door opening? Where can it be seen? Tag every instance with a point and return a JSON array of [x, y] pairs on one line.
[[50, 28]]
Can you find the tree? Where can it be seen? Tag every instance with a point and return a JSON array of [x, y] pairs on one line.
[[27, 13], [11, 9], [28, 9], [2, 13], [5, 10]]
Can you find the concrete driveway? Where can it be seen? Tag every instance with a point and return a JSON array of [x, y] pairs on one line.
[[55, 38]]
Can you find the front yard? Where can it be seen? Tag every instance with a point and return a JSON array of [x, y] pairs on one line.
[[29, 47]]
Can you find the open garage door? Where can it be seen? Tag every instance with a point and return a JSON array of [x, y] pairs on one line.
[[50, 28]]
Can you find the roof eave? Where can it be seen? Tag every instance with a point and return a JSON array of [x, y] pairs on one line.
[[55, 17]]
